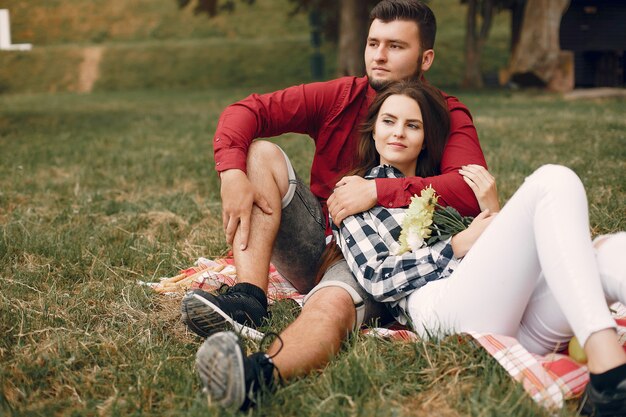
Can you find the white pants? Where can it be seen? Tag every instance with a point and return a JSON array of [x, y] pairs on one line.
[[533, 274]]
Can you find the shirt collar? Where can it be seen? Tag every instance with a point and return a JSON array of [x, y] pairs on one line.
[[383, 171]]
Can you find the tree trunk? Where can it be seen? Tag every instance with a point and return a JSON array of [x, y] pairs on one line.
[[472, 77], [517, 17], [537, 58], [353, 28], [475, 41]]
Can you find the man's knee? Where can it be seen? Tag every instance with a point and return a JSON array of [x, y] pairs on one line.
[[264, 153], [333, 304], [266, 159]]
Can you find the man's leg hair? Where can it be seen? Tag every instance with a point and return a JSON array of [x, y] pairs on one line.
[[267, 170], [316, 335]]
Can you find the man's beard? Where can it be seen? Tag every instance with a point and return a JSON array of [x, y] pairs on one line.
[[379, 85]]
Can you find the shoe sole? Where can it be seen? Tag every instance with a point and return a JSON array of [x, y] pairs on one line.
[[219, 363], [199, 318], [205, 318]]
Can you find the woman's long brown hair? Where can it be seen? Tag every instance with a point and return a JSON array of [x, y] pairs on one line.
[[436, 125]]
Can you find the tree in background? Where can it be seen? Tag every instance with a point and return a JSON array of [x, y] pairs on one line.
[[344, 22], [475, 37], [536, 57]]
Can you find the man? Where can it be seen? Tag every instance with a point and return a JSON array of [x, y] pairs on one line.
[[269, 214]]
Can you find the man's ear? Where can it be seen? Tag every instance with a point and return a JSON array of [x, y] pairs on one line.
[[427, 59]]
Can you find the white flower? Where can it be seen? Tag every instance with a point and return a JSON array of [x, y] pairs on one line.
[[414, 240], [417, 221]]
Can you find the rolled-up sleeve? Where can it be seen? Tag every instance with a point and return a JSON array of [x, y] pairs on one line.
[[299, 109]]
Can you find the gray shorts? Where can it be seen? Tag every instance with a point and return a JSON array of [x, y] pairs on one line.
[[367, 309], [301, 242], [301, 238]]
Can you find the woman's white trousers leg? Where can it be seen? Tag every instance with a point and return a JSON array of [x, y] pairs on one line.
[[533, 273]]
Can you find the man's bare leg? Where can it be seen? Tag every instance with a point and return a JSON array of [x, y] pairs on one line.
[[232, 379], [244, 306], [267, 170], [316, 335]]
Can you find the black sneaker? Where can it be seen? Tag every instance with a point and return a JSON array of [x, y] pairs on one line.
[[229, 378], [605, 403], [243, 307]]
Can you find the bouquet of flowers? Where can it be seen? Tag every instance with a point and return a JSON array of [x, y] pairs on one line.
[[427, 222], [447, 222]]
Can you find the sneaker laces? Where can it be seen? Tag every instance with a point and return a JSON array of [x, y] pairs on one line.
[[223, 289], [271, 357], [261, 374]]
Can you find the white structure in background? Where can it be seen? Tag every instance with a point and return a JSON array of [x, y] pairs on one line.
[[5, 35]]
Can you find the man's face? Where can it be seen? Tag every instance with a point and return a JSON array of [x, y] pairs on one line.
[[392, 52]]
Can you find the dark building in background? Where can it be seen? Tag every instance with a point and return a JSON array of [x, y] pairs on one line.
[[596, 32]]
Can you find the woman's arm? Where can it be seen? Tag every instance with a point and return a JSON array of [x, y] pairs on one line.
[[463, 241]]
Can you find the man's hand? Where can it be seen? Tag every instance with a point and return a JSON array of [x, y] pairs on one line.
[[484, 186], [463, 241], [352, 194], [238, 195]]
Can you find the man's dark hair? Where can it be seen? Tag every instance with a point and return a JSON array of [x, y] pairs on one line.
[[413, 10]]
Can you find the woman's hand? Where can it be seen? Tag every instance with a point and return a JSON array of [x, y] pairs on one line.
[[484, 186], [463, 241]]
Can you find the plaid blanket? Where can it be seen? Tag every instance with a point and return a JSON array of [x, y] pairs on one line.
[[549, 380]]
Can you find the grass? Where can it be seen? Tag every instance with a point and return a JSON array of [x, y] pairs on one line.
[[61, 22], [151, 44], [99, 191]]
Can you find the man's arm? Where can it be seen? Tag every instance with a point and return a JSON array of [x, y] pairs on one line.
[[461, 149], [299, 109]]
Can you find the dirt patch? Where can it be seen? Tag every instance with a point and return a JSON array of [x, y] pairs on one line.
[[159, 222], [595, 93], [89, 70], [437, 400]]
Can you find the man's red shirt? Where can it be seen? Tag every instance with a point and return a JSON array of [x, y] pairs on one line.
[[331, 113]]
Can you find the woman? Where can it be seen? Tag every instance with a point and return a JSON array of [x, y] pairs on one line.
[[530, 271]]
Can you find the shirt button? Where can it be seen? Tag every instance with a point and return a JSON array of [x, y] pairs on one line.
[[218, 139], [217, 164], [391, 204]]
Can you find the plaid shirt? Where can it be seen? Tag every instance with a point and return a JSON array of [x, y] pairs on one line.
[[368, 240]]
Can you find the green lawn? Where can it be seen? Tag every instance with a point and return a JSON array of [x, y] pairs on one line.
[[151, 44], [99, 191]]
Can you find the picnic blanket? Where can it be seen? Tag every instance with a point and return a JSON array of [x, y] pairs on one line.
[[549, 380]]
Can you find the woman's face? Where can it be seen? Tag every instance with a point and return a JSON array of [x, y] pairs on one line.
[[399, 133]]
